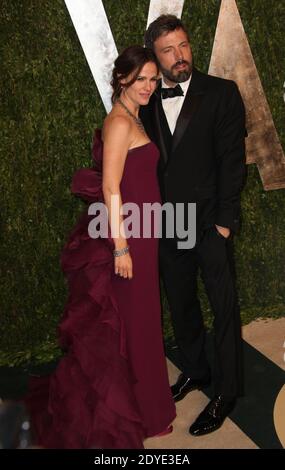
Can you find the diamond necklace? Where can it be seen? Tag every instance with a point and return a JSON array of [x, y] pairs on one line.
[[137, 120]]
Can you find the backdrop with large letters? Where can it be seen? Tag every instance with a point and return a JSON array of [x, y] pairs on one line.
[[50, 108]]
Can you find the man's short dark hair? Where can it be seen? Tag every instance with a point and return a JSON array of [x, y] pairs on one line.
[[162, 25]]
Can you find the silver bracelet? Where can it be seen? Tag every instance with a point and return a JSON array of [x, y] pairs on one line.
[[121, 252]]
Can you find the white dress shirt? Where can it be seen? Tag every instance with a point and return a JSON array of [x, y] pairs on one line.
[[172, 106]]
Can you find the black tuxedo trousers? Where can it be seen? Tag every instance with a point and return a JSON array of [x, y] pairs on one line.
[[213, 256]]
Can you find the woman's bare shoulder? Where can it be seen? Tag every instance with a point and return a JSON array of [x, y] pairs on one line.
[[116, 124]]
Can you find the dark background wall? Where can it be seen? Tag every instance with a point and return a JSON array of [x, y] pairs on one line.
[[50, 108]]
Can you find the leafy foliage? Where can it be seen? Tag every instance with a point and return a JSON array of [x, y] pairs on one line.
[[50, 108]]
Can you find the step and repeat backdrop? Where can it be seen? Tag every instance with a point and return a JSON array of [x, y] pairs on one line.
[[56, 59]]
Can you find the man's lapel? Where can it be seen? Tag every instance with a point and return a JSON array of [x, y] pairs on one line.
[[190, 106], [158, 125]]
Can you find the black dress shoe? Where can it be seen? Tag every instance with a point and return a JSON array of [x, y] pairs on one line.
[[185, 385], [213, 416]]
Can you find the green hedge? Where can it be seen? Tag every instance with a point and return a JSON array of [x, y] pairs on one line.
[[50, 107]]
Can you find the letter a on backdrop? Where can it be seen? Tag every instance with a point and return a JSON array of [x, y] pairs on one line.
[[232, 58], [164, 7]]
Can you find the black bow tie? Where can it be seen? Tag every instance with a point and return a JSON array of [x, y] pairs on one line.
[[171, 92]]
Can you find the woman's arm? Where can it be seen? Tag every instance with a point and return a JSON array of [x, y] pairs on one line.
[[116, 145]]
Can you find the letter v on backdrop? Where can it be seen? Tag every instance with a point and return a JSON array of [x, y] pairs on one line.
[[263, 145]]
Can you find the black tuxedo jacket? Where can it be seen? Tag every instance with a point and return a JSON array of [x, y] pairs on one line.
[[204, 160]]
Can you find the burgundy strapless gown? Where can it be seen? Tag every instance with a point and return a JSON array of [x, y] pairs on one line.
[[111, 388]]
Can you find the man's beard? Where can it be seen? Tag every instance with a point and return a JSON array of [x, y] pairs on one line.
[[180, 76]]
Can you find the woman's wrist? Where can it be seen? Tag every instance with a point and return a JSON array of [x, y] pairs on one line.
[[120, 243], [121, 252]]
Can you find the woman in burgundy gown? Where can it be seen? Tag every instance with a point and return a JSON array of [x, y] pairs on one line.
[[110, 389]]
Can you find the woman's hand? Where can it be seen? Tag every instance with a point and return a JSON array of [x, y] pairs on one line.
[[124, 266]]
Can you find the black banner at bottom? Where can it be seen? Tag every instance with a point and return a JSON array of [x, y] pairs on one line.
[[38, 458]]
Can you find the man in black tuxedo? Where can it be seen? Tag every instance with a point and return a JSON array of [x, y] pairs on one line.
[[198, 123]]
